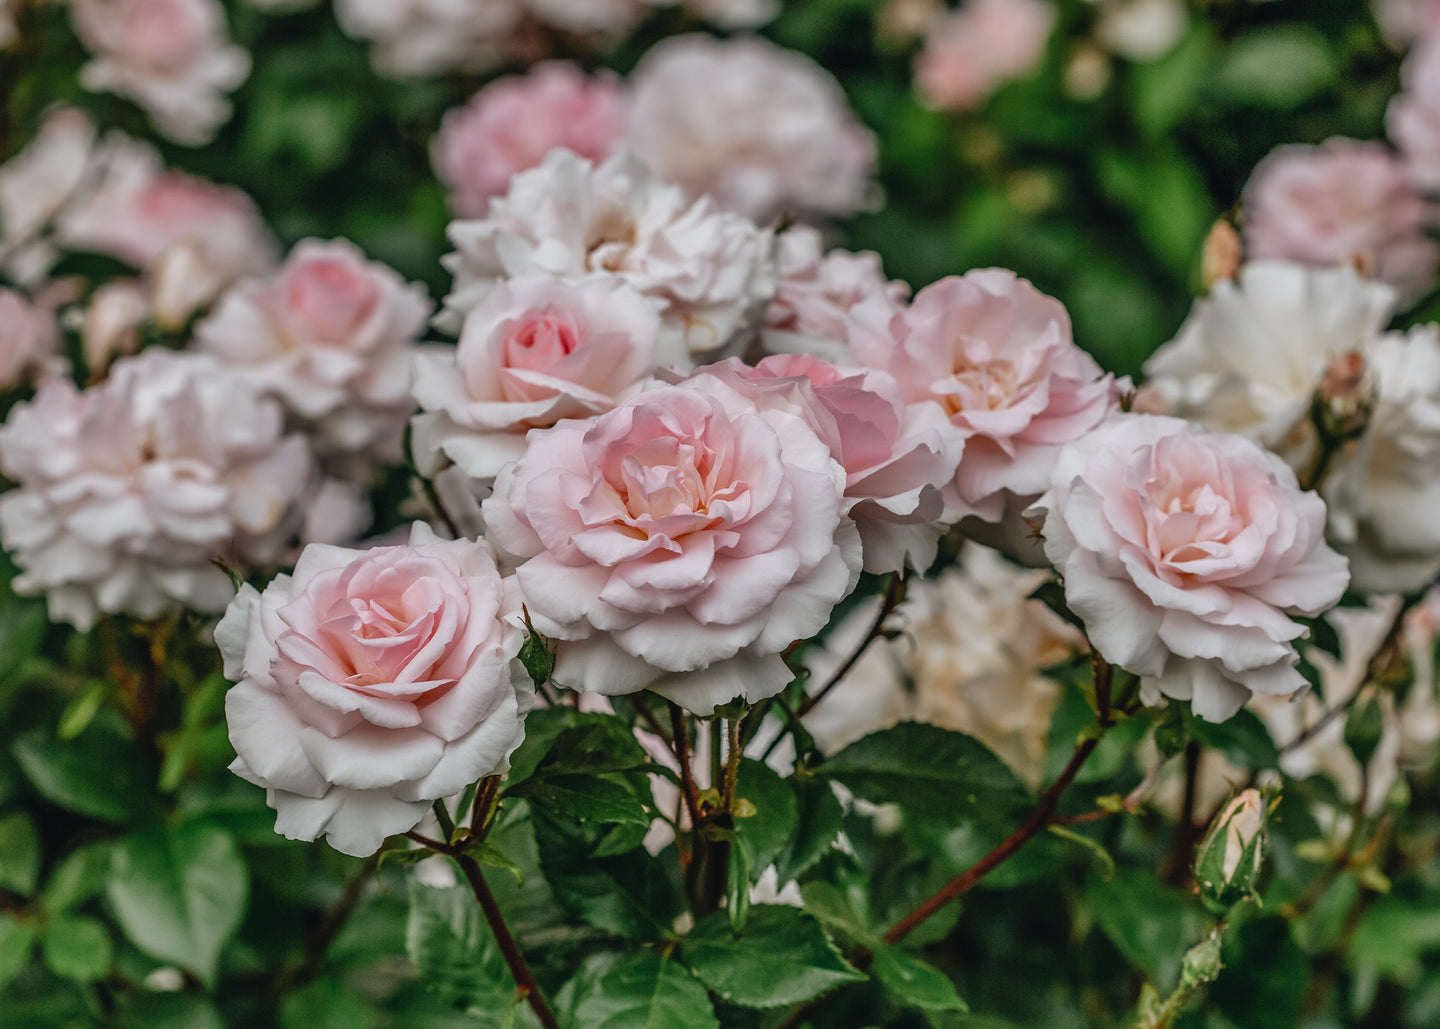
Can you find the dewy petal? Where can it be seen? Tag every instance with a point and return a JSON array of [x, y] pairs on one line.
[[356, 822], [372, 757]]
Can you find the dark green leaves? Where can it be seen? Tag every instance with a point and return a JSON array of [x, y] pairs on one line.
[[449, 942], [179, 893], [646, 991], [927, 769], [782, 957], [19, 853], [100, 773]]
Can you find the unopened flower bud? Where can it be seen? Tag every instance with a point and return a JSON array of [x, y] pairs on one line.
[[1221, 256], [112, 322], [1229, 856], [1343, 402], [183, 284]]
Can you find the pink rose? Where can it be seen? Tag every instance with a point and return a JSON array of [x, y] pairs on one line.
[[331, 335], [1184, 552], [897, 456], [1340, 203], [536, 350], [172, 57], [421, 38], [1413, 118], [138, 209], [677, 543], [982, 44], [996, 354], [372, 683], [511, 125], [36, 184], [818, 290], [764, 130]]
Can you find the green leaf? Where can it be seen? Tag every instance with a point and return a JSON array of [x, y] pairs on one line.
[[326, 1004], [604, 744], [765, 834], [820, 819], [80, 876], [99, 773], [1242, 738], [17, 938], [600, 798], [928, 769], [1394, 936], [170, 1011], [1151, 924], [449, 942], [645, 991], [19, 854], [782, 957], [1164, 92], [77, 948], [179, 893], [627, 895], [23, 621], [1279, 66], [913, 982]]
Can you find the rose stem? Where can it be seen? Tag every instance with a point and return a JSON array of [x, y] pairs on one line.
[[529, 989], [682, 754], [893, 595]]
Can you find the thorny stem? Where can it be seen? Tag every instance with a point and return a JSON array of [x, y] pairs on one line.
[[681, 742], [967, 880], [894, 593], [732, 766], [525, 983], [1178, 865]]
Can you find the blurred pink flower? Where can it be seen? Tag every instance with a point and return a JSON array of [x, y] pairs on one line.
[[974, 49], [29, 338], [511, 125], [764, 130], [172, 57], [1340, 203], [1413, 118]]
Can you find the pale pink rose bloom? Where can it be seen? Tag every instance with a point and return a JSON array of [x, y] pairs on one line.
[[970, 52], [419, 38], [36, 184], [712, 271], [333, 336], [511, 124], [763, 130], [1185, 553], [818, 290], [606, 18], [29, 339], [537, 350], [1141, 30], [996, 354], [679, 543], [110, 327], [897, 456], [138, 209], [1413, 118], [372, 683], [130, 490], [728, 14], [1405, 21], [1339, 203], [172, 57]]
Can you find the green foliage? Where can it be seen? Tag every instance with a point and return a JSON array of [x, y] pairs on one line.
[[645, 991], [782, 957]]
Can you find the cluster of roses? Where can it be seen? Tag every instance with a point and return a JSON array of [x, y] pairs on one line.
[[670, 517]]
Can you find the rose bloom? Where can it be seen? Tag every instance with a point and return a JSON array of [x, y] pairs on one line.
[[1140, 30], [1405, 21], [606, 18], [897, 456], [421, 38], [371, 683], [1250, 359], [512, 123], [1413, 118], [172, 57], [1184, 553], [818, 290], [35, 185], [763, 130], [29, 339], [713, 272], [137, 210], [538, 349], [997, 356], [1339, 203], [979, 46], [333, 336], [128, 492], [679, 543], [731, 14]]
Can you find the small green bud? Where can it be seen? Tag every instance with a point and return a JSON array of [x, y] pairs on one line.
[[1228, 862], [537, 654]]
